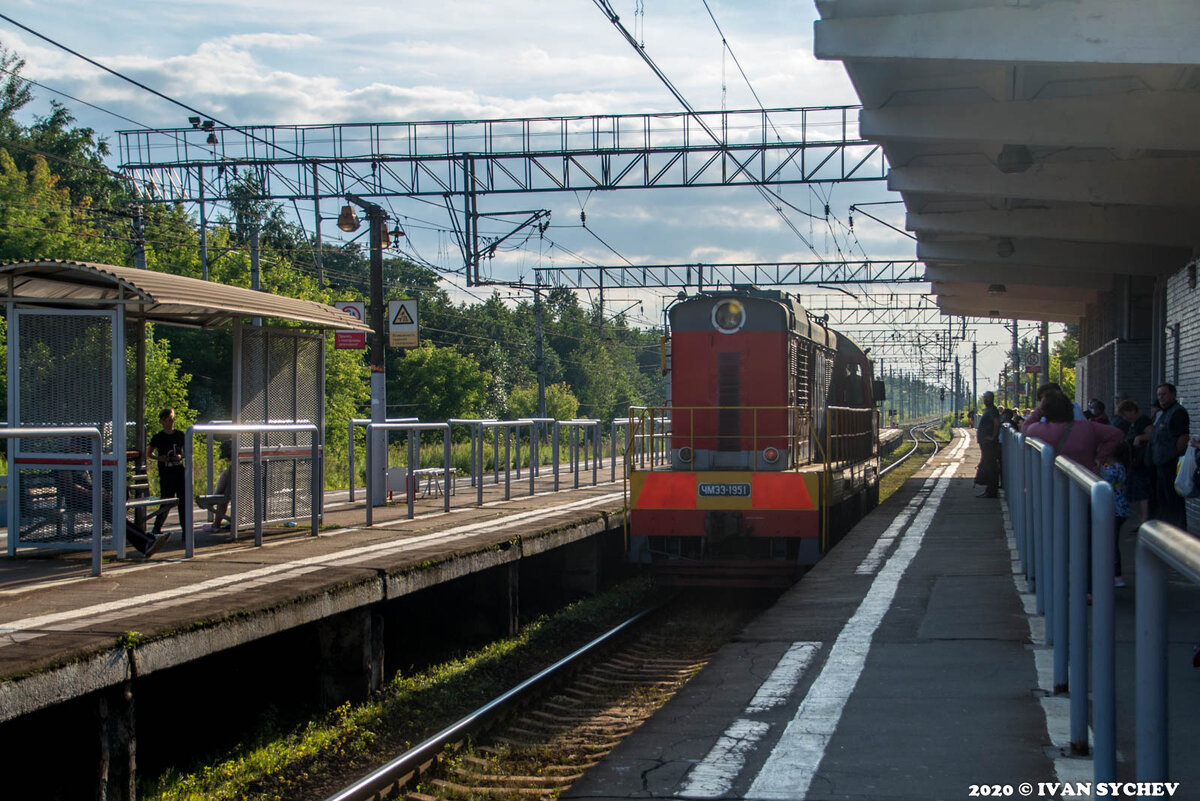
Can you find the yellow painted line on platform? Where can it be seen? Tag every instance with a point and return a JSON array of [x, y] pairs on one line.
[[17, 631]]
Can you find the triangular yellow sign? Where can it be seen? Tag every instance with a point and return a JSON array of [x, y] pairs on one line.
[[402, 317]]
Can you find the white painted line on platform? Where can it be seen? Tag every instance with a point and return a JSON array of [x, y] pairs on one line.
[[17, 630], [783, 679], [713, 776], [793, 762], [871, 562]]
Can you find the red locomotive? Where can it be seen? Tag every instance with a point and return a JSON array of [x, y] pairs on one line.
[[768, 449]]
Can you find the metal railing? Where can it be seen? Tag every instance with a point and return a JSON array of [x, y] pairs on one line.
[[1159, 546], [577, 443], [508, 427], [256, 430], [414, 455], [14, 512], [1056, 505], [354, 423], [740, 437]]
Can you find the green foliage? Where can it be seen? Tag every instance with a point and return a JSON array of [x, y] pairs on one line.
[[561, 403], [437, 383], [166, 385]]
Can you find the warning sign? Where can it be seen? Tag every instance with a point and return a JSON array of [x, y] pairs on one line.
[[402, 323], [351, 340], [1033, 362]]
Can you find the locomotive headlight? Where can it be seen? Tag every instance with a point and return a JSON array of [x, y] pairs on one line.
[[771, 455], [685, 454], [729, 316]]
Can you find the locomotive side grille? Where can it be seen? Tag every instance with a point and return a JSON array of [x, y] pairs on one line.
[[729, 397], [799, 372]]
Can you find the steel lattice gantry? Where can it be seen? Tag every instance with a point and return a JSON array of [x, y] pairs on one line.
[[546, 154], [715, 276]]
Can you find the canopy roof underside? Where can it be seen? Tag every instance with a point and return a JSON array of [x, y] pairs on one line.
[[158, 297]]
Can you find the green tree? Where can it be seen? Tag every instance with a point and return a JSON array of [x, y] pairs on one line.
[[437, 383], [561, 403]]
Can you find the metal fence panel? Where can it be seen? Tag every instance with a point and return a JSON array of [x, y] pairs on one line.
[[64, 378]]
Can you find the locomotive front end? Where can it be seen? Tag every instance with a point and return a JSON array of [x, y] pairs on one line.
[[733, 499]]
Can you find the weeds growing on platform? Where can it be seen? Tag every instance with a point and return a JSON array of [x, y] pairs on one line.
[[315, 759]]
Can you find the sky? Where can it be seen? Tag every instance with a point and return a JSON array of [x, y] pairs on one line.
[[301, 62]]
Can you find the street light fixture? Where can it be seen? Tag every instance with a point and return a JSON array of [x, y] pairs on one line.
[[347, 220]]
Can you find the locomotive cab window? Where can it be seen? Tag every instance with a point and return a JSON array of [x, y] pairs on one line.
[[729, 316]]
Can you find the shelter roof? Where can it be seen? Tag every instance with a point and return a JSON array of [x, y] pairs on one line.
[[158, 297]]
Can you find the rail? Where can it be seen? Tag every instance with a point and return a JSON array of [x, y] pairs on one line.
[[414, 452], [1159, 546], [1056, 505], [916, 446], [256, 430], [377, 783], [96, 467]]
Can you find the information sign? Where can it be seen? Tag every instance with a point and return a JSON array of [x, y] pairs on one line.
[[351, 340], [1033, 361], [402, 323]]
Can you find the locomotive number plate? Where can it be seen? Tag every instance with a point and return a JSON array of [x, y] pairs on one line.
[[724, 490]]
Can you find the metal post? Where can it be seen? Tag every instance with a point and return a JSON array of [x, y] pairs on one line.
[[1077, 632], [554, 453], [532, 473], [1151, 672], [595, 453], [1104, 687], [351, 457], [477, 445], [410, 486], [507, 462], [446, 475], [259, 500]]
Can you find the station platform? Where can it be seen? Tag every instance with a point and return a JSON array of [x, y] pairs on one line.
[[64, 633], [908, 664]]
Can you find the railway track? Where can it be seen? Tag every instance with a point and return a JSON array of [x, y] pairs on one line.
[[553, 728], [919, 434]]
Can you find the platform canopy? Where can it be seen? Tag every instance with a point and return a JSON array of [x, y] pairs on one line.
[[1039, 145], [158, 297]]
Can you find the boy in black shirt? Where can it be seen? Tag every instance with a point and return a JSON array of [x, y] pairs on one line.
[[166, 447]]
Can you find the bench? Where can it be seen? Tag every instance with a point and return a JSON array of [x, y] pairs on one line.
[[431, 475]]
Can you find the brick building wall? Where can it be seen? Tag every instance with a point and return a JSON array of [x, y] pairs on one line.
[[1115, 345], [1183, 355]]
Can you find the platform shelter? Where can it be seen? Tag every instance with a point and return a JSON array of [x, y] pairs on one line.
[[75, 333]]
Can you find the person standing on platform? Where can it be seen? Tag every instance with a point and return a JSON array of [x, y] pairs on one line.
[[166, 448], [1168, 440], [988, 436]]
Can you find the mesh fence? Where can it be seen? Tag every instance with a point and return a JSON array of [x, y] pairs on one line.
[[64, 378], [281, 382]]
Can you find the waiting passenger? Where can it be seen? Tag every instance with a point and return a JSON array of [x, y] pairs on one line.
[[166, 448], [1084, 441]]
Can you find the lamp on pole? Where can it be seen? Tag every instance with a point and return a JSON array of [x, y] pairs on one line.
[[377, 232]]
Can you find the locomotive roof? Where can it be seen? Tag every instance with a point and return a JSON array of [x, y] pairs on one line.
[[804, 322]]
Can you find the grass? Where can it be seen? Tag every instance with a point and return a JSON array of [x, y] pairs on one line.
[[351, 738]]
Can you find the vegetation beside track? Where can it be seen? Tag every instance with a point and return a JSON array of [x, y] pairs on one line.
[[896, 478], [315, 759]]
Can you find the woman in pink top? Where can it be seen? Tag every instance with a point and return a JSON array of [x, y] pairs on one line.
[[1087, 442]]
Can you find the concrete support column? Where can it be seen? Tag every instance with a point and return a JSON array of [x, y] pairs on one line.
[[351, 655], [116, 767], [581, 566]]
